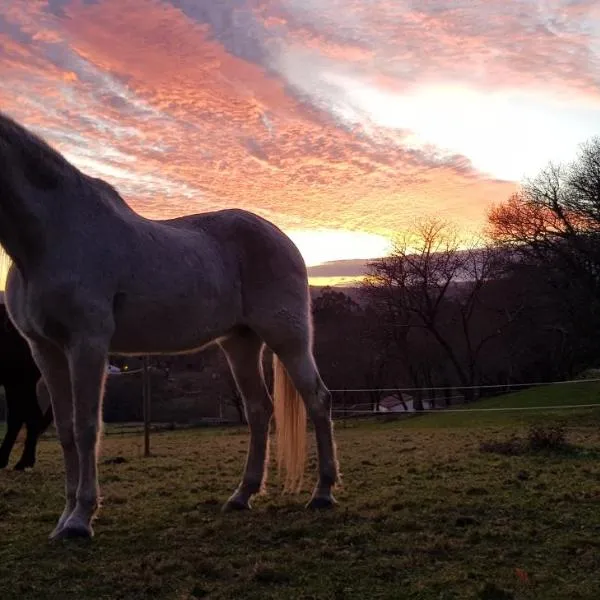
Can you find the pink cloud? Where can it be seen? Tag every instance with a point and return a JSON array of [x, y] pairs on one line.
[[188, 106]]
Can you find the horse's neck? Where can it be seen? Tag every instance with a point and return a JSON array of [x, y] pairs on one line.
[[44, 199], [34, 220], [33, 181], [21, 231]]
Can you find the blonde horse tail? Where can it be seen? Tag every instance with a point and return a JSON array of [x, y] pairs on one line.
[[290, 427]]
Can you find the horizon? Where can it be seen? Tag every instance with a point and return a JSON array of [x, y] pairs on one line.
[[342, 126]]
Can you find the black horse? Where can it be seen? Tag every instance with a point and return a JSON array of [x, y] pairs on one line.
[[20, 376]]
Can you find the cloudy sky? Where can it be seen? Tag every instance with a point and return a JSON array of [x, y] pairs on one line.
[[342, 121]]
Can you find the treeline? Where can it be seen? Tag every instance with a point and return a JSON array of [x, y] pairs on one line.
[[519, 303]]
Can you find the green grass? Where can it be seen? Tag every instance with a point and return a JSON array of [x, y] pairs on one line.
[[548, 395], [423, 514], [536, 398]]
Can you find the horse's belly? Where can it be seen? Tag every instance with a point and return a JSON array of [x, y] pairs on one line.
[[168, 332]]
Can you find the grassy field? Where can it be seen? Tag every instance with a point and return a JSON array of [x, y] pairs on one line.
[[424, 514], [557, 396]]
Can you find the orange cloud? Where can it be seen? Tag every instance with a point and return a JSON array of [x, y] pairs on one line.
[[189, 106]]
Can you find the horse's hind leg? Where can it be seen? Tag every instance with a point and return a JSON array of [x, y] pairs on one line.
[[33, 419], [244, 351], [300, 365], [14, 422], [54, 368]]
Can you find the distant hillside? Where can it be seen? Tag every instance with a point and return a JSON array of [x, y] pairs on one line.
[[353, 292], [357, 269], [340, 268]]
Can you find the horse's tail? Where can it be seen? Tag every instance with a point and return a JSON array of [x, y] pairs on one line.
[[290, 424]]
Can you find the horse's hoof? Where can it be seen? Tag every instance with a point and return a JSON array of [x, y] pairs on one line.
[[235, 505], [321, 502], [70, 532]]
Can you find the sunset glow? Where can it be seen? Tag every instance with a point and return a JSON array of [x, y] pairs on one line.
[[327, 245], [341, 121]]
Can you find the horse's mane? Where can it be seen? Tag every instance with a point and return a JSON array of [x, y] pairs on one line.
[[41, 164]]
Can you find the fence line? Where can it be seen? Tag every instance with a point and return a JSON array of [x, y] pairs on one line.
[[464, 410], [145, 370], [466, 387], [126, 372]]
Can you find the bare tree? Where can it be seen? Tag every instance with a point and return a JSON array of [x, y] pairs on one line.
[[556, 217], [552, 227], [434, 282]]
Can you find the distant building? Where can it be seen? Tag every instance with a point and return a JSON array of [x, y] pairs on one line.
[[397, 403]]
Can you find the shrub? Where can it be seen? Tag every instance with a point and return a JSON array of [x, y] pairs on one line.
[[539, 439], [550, 438]]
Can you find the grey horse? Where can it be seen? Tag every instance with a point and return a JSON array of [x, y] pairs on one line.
[[91, 277]]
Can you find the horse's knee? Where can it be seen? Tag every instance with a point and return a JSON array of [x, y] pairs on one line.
[[66, 436], [86, 435], [259, 411], [319, 405], [325, 399]]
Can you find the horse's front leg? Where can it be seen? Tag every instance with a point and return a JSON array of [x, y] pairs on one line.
[[14, 422], [88, 358], [33, 422], [54, 367]]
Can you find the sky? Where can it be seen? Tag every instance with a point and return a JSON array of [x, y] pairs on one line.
[[342, 121]]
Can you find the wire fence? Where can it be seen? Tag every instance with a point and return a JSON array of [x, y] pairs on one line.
[[419, 400], [508, 386], [428, 399], [366, 410], [467, 410], [414, 401]]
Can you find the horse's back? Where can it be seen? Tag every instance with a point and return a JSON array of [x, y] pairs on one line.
[[271, 271], [260, 249]]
